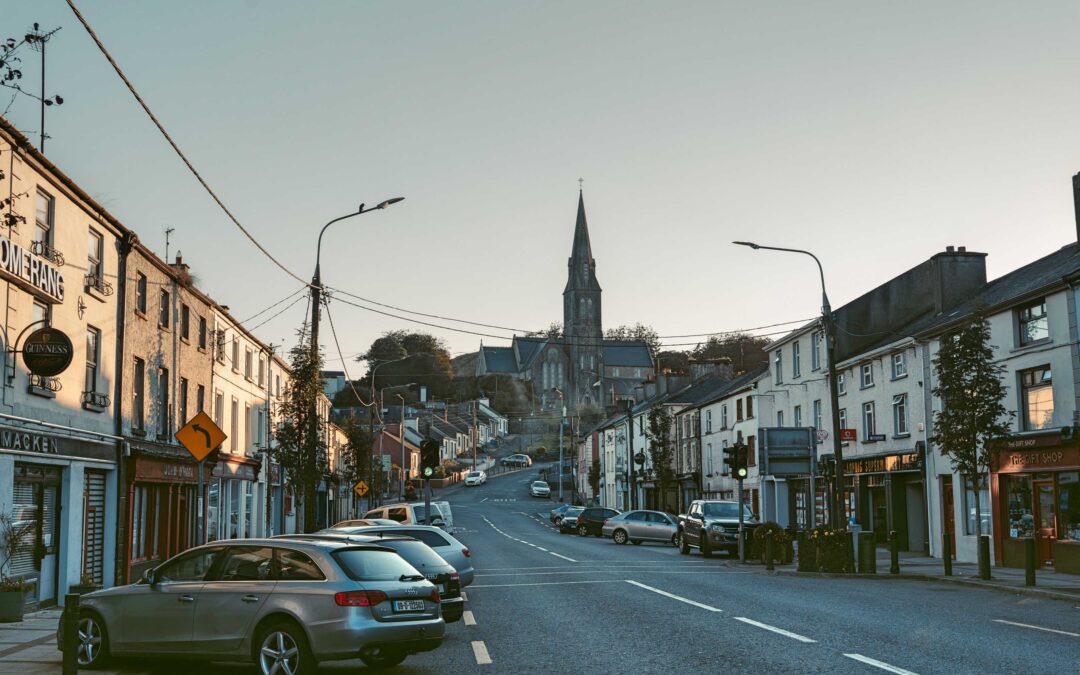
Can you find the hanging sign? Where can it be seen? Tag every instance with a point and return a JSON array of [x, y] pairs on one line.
[[47, 352]]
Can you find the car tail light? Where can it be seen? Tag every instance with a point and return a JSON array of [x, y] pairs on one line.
[[435, 597], [465, 552], [360, 598]]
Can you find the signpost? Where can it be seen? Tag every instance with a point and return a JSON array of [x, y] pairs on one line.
[[791, 452], [200, 436], [361, 488], [847, 435]]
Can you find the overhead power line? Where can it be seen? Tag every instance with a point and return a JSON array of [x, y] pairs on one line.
[[260, 312], [337, 345]]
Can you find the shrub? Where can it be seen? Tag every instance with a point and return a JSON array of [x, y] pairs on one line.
[[783, 551], [825, 550]]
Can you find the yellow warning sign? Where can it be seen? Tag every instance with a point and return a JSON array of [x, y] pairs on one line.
[[200, 436]]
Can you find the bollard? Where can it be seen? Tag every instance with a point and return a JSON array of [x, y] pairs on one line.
[[769, 551], [1029, 561], [946, 552], [984, 557], [867, 553], [894, 553], [71, 634]]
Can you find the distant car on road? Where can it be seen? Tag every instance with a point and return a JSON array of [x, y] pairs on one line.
[[474, 478], [540, 488], [519, 459], [591, 520], [638, 526], [567, 522], [556, 513]]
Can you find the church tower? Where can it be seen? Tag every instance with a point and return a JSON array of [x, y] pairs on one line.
[[581, 318]]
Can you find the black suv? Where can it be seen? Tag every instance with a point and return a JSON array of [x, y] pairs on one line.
[[591, 520]]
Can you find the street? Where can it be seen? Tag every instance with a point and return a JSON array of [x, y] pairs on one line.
[[545, 602]]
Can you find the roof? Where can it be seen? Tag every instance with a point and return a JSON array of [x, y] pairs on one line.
[[731, 386], [499, 359], [634, 353], [528, 348], [699, 391]]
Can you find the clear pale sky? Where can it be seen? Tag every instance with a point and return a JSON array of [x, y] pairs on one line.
[[874, 133]]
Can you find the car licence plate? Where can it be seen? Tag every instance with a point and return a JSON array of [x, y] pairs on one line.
[[408, 605]]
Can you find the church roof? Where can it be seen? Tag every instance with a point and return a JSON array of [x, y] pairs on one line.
[[528, 348], [633, 353], [500, 359]]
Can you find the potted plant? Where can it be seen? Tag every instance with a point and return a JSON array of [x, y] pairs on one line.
[[14, 540], [86, 585]]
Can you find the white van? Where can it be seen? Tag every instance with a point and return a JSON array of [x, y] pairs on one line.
[[413, 514]]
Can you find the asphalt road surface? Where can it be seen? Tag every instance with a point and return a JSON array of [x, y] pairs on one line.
[[549, 603]]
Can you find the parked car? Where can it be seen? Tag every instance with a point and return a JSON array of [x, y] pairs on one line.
[[413, 513], [540, 488], [364, 522], [567, 522], [638, 526], [475, 478], [556, 513], [342, 600], [519, 459], [455, 553], [712, 526], [591, 520], [418, 554]]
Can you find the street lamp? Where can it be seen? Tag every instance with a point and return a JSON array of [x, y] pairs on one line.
[[829, 322], [401, 429], [562, 424]]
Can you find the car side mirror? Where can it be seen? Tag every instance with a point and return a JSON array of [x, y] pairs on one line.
[[149, 578]]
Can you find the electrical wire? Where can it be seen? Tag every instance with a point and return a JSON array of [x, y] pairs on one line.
[[277, 314], [337, 345], [175, 147], [257, 314]]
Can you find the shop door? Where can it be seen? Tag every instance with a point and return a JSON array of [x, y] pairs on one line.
[[1046, 522], [948, 515], [94, 526]]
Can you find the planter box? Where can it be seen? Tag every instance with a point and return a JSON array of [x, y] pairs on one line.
[[12, 604]]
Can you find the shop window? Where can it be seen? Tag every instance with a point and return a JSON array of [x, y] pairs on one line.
[[1033, 322], [1018, 498], [969, 507], [1069, 506], [34, 508], [145, 521], [1036, 398]]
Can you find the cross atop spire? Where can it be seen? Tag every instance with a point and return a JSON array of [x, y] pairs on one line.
[[581, 184]]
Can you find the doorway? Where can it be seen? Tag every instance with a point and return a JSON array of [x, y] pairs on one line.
[[1046, 522]]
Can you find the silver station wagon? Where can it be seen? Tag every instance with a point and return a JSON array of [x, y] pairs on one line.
[[284, 604]]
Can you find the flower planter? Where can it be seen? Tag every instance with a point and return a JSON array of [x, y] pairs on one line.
[[12, 604]]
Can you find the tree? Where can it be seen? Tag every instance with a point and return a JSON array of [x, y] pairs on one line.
[[638, 331], [971, 391], [301, 453], [745, 351], [661, 450], [403, 358], [673, 362]]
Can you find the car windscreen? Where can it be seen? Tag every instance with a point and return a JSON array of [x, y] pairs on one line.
[[373, 565], [474, 474], [417, 553], [573, 511], [725, 510]]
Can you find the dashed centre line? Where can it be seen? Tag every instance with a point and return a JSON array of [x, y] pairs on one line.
[[880, 664], [673, 596], [774, 629], [1028, 625], [468, 618], [527, 543], [480, 653]]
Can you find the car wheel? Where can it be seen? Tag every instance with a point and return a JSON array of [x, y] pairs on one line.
[[283, 647], [675, 540], [93, 642], [383, 658], [582, 531], [619, 536], [684, 548]]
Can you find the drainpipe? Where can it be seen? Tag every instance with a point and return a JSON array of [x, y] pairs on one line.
[[124, 245]]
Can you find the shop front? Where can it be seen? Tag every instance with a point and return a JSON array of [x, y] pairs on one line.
[[890, 495], [162, 506], [234, 502], [1035, 494]]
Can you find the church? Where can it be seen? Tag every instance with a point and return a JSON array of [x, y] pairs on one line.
[[580, 367]]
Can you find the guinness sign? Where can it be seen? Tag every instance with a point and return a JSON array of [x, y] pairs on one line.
[[47, 352]]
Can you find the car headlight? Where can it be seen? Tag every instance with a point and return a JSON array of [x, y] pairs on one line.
[[716, 527]]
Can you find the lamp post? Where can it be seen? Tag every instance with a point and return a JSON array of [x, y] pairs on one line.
[[562, 424], [404, 462], [837, 508]]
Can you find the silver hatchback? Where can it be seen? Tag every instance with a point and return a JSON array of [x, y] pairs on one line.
[[284, 604], [638, 526]]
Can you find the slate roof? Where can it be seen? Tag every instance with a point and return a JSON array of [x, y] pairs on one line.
[[698, 392], [528, 348], [633, 353], [500, 359], [730, 386]]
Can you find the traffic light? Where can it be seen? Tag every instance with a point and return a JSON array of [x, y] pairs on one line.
[[429, 459], [742, 454]]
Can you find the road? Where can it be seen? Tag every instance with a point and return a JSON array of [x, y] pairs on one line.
[[549, 603]]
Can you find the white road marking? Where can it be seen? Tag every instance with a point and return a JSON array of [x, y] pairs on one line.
[[562, 556], [468, 618], [779, 631], [464, 598], [547, 551], [480, 652], [484, 499], [879, 664], [672, 596], [1048, 630], [549, 583]]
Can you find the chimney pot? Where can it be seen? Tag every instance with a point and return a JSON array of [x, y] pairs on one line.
[[962, 249], [949, 249]]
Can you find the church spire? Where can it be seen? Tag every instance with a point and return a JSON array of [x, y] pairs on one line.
[[582, 272]]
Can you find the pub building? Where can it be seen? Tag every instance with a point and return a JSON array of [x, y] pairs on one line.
[[888, 493], [1035, 493]]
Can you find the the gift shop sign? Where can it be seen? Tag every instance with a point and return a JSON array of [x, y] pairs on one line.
[[30, 271], [47, 352]]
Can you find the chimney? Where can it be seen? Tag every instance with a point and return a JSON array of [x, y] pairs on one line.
[[1076, 202], [702, 368], [956, 276]]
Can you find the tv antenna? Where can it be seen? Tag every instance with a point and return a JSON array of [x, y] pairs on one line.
[[168, 231], [36, 39]]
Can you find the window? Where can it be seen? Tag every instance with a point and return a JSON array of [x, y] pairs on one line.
[[815, 350], [260, 427], [868, 420], [723, 416], [899, 415], [247, 421], [93, 358], [778, 367], [797, 421], [140, 293], [641, 425], [796, 365], [219, 409], [236, 355], [43, 218], [751, 454], [185, 322], [867, 372], [969, 507], [163, 403], [1033, 322], [95, 251], [1021, 514], [138, 402], [749, 407], [235, 425], [296, 566], [277, 386], [202, 333], [247, 364], [899, 365], [708, 421], [738, 410], [817, 415], [41, 312], [841, 385], [246, 563], [1068, 508], [200, 398], [843, 418], [1036, 398], [262, 372], [189, 567], [163, 320], [779, 418]]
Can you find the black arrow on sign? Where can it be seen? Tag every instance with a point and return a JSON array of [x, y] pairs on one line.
[[204, 432]]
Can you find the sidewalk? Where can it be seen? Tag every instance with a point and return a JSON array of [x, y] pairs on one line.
[[29, 646], [1048, 583]]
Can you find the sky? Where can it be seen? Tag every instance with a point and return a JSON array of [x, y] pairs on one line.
[[872, 133]]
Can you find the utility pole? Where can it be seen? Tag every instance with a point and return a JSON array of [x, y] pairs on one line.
[[562, 423], [269, 524], [631, 460], [476, 430]]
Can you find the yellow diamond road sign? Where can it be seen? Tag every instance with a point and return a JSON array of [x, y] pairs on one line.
[[360, 489], [200, 436]]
